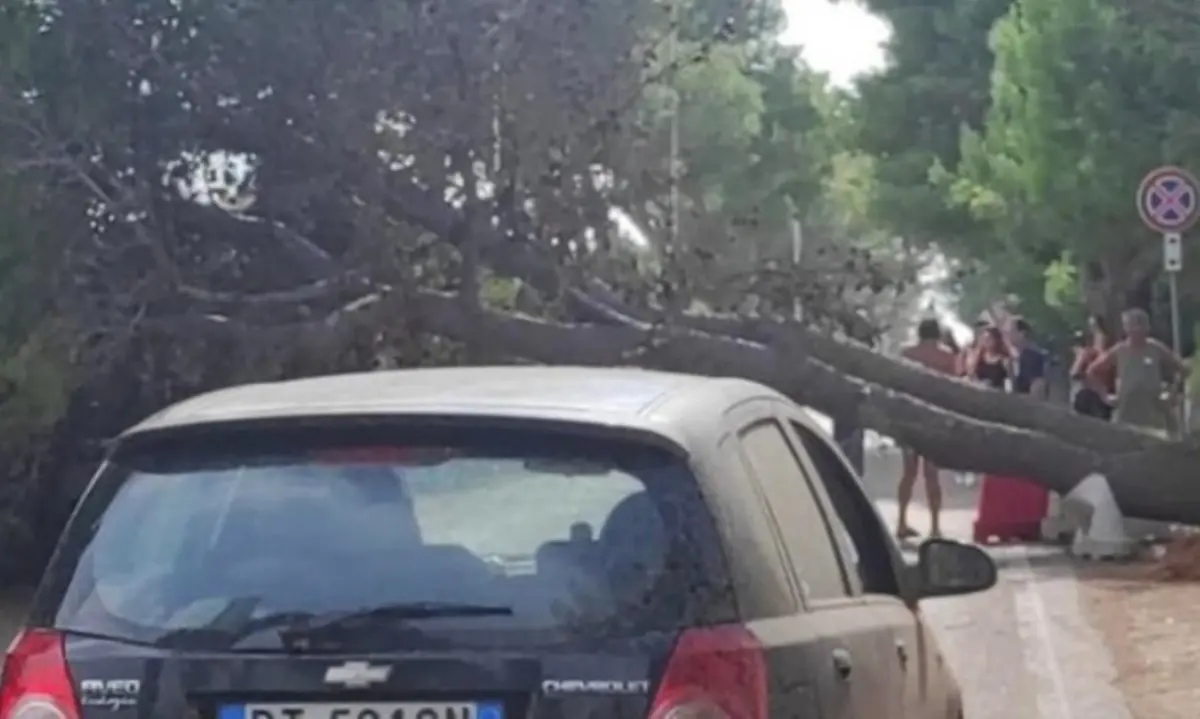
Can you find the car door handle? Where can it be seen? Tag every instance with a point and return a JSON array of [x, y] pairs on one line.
[[902, 653], [842, 663]]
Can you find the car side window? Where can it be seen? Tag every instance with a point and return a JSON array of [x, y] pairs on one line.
[[871, 545], [763, 585], [805, 533]]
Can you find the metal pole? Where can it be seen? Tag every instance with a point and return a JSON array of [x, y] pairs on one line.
[[1173, 263], [672, 55], [1176, 333], [797, 254], [1177, 344]]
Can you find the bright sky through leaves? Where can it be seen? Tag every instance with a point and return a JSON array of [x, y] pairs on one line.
[[840, 38]]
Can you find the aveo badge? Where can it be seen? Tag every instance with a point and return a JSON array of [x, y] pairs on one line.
[[110, 694]]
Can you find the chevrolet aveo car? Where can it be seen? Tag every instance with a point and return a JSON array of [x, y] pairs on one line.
[[487, 543]]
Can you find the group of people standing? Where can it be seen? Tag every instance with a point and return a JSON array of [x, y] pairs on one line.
[[1134, 381], [1003, 359]]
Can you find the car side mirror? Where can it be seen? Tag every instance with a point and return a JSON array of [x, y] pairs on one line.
[[946, 568]]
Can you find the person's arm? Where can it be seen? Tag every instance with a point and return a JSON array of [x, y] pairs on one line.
[[1080, 365], [1179, 368], [970, 360], [1102, 367]]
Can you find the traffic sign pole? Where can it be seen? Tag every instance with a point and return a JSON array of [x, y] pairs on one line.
[[1173, 263], [1176, 340], [1167, 202]]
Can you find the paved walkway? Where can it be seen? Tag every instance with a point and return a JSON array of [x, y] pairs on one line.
[[1023, 649]]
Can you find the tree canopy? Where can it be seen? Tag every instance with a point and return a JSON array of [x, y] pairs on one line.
[[1014, 133]]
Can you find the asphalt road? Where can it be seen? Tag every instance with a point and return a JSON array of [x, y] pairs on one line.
[[1024, 648]]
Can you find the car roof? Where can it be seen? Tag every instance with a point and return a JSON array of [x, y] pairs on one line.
[[662, 403]]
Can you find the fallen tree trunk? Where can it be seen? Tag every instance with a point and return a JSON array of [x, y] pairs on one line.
[[860, 361], [1152, 478], [596, 302], [957, 425]]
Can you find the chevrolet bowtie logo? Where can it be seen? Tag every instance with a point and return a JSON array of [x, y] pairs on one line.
[[356, 675]]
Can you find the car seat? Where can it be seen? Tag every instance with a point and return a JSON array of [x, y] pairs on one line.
[[633, 546], [570, 574]]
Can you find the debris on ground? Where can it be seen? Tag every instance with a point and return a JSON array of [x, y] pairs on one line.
[[1177, 561]]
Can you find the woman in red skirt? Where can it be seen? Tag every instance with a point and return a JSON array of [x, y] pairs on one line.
[[1009, 508]]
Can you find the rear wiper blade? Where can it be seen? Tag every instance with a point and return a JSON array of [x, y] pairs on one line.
[[309, 625], [337, 626], [216, 637], [406, 610]]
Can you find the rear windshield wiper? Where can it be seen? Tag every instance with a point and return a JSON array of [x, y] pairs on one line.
[[403, 610], [296, 628], [341, 626], [217, 637]]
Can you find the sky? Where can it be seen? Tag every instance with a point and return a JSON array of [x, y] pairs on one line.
[[839, 38], [844, 40]]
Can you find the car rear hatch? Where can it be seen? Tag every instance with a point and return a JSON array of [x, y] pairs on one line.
[[393, 571], [362, 685]]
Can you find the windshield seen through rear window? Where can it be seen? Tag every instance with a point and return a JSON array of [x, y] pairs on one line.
[[586, 533]]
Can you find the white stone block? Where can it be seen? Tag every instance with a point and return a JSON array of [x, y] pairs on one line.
[[1056, 526], [1100, 528]]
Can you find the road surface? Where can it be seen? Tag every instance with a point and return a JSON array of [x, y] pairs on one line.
[[1023, 649]]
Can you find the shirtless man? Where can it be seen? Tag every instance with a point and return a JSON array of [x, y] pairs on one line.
[[1144, 367], [930, 352]]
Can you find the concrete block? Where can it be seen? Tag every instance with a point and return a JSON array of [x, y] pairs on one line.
[[1100, 528], [1056, 526]]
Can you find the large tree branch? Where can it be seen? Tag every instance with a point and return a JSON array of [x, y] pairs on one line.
[[308, 292], [948, 438], [600, 304], [596, 302], [951, 439]]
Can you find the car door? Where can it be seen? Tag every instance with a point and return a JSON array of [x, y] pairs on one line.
[[767, 600], [879, 566], [852, 680]]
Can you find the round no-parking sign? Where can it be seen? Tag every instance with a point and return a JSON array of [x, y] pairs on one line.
[[1168, 200]]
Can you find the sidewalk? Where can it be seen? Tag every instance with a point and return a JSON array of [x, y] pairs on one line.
[[1153, 631]]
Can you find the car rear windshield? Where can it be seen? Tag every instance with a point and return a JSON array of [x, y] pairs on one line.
[[564, 533]]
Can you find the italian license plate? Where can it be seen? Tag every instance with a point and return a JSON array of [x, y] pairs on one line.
[[373, 710]]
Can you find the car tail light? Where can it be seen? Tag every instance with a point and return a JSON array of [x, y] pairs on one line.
[[35, 682], [714, 673]]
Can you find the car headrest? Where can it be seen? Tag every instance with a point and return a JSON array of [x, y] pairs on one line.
[[634, 536]]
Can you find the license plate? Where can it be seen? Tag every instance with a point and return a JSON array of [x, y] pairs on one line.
[[374, 710]]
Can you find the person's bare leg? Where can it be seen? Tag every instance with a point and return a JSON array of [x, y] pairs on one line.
[[908, 481], [933, 496]]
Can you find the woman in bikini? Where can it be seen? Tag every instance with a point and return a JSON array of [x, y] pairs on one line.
[[991, 362], [1092, 394]]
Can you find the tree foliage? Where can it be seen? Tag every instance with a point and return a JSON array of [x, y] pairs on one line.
[[1012, 135], [1077, 118], [198, 193]]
